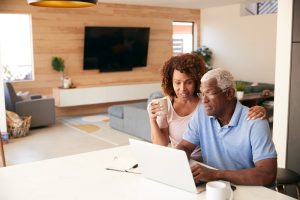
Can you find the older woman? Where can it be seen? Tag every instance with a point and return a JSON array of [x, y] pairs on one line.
[[180, 82]]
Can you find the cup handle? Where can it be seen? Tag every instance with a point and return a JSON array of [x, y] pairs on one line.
[[230, 194], [230, 191]]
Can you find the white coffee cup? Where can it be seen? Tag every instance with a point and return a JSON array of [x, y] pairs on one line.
[[218, 190], [163, 103]]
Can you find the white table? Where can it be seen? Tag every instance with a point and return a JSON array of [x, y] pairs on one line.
[[84, 177]]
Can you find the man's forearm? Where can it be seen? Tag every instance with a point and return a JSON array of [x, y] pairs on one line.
[[187, 147], [245, 177], [259, 175]]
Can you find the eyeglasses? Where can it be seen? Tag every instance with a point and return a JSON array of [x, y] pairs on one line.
[[210, 95]]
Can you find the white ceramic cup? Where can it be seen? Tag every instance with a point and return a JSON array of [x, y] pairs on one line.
[[163, 103], [217, 190]]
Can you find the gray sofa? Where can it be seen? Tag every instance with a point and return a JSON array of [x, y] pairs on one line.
[[132, 118], [42, 110]]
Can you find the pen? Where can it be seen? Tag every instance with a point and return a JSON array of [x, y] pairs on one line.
[[118, 170], [134, 166]]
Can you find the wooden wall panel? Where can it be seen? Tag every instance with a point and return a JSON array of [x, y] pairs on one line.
[[60, 32]]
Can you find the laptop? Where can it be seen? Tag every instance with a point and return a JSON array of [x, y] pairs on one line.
[[165, 165]]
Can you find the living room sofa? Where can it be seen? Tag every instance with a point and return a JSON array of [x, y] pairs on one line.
[[132, 118]]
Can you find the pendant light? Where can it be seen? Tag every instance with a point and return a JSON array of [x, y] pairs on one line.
[[63, 3]]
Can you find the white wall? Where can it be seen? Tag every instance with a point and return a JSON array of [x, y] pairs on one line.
[[245, 45], [282, 79]]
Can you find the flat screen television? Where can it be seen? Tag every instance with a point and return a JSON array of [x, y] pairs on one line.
[[115, 48]]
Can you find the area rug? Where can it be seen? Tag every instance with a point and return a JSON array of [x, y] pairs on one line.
[[97, 126], [89, 128]]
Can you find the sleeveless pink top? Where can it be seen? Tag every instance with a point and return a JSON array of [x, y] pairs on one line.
[[177, 126]]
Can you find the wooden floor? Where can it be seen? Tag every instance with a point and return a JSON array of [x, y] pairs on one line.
[[50, 142]]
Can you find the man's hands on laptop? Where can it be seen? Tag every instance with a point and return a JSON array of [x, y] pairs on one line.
[[201, 172]]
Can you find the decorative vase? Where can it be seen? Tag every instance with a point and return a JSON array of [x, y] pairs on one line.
[[239, 95], [67, 82]]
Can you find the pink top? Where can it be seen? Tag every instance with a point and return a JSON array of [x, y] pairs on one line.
[[177, 126]]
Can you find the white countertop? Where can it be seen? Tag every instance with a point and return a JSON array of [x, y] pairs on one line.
[[84, 177]]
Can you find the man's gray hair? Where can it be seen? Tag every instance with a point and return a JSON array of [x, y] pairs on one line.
[[224, 78]]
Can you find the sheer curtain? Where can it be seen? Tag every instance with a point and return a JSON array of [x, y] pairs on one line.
[[16, 51]]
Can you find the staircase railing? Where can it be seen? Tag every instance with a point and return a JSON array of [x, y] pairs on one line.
[[267, 7]]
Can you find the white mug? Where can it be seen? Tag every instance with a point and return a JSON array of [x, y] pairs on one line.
[[218, 190], [163, 103]]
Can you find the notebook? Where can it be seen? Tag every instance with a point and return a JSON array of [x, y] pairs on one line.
[[165, 165]]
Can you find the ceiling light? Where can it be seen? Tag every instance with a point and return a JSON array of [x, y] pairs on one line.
[[63, 3]]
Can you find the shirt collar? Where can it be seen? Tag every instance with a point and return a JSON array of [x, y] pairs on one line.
[[236, 115]]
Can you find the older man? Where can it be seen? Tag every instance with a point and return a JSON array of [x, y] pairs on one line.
[[241, 149]]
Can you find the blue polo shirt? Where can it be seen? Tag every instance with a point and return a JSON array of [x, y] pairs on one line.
[[237, 145]]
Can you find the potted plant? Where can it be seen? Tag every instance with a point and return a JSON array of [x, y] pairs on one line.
[[59, 65], [240, 89], [7, 75], [206, 54]]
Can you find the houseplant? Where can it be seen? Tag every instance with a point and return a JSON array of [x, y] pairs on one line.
[[7, 75], [240, 88], [58, 64], [206, 54]]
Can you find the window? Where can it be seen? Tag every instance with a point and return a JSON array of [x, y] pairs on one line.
[[183, 33], [16, 54]]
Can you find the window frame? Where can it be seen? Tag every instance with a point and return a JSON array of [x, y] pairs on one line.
[[193, 46]]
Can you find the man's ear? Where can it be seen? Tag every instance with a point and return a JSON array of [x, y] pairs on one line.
[[230, 93]]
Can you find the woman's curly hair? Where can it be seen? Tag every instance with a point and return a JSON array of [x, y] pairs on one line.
[[190, 64]]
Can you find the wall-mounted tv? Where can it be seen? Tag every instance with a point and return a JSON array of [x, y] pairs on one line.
[[115, 48]]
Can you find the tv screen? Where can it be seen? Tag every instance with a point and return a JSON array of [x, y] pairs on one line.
[[115, 48]]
